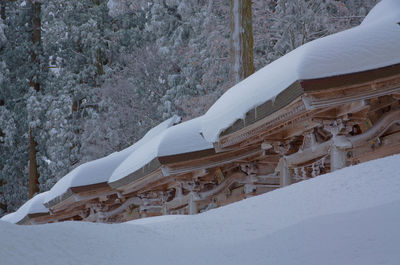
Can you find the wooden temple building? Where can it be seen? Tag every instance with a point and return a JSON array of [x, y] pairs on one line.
[[306, 121]]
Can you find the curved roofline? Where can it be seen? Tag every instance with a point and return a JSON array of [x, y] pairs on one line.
[[300, 87]]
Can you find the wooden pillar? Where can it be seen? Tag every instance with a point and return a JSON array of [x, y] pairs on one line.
[[164, 210], [338, 158], [285, 178], [193, 209]]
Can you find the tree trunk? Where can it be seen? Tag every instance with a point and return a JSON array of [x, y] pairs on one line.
[[35, 83], [36, 40], [100, 70], [33, 168], [241, 41], [2, 205], [3, 9]]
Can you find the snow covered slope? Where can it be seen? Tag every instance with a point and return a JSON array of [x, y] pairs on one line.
[[373, 44], [350, 216]]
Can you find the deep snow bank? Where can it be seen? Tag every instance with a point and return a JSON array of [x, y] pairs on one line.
[[350, 216]]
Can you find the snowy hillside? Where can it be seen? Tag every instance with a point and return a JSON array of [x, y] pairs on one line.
[[350, 216]]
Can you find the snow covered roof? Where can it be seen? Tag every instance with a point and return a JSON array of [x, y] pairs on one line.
[[32, 206], [373, 44], [100, 170], [183, 138], [179, 139]]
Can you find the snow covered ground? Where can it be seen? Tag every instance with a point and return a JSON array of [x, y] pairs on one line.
[[351, 216]]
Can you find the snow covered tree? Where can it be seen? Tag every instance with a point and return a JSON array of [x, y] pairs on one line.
[[77, 41], [16, 73], [282, 25]]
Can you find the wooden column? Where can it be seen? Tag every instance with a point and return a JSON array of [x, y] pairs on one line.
[[338, 158], [338, 151], [193, 209], [285, 178]]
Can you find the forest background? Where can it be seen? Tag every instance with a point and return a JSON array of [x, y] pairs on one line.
[[80, 79]]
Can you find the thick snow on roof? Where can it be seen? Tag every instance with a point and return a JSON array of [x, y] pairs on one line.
[[183, 138], [373, 44], [34, 205], [350, 216], [381, 11], [100, 170], [178, 139]]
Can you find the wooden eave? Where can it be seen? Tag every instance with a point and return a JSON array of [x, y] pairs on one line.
[[350, 79], [147, 169], [58, 216], [170, 172], [84, 192], [156, 165], [27, 218], [305, 95], [212, 160], [171, 159], [256, 114], [173, 165]]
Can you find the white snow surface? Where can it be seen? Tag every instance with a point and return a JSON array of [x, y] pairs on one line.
[[350, 216], [179, 139], [380, 11], [34, 205], [183, 138], [100, 170], [373, 44]]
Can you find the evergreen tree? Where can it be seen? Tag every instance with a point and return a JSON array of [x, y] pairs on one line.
[[16, 66], [78, 43]]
